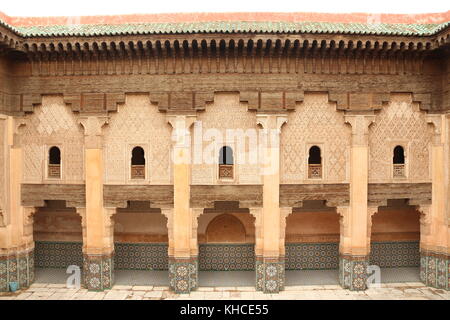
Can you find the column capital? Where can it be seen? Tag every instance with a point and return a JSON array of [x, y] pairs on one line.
[[180, 128], [12, 125], [438, 123], [178, 120], [93, 130], [271, 120], [360, 123]]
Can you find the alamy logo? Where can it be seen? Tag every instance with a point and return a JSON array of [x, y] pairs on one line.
[[373, 276], [74, 280]]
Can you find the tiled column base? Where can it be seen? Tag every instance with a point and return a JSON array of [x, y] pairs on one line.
[[183, 274], [435, 270], [270, 274], [353, 272], [18, 267], [98, 271]]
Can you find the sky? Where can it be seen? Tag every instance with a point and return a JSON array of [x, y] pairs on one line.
[[110, 7]]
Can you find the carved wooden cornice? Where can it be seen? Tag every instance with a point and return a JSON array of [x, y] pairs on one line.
[[228, 54]]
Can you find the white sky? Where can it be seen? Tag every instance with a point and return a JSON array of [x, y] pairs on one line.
[[107, 7]]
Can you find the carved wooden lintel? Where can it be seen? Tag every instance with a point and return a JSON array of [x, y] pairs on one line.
[[267, 101], [182, 100]]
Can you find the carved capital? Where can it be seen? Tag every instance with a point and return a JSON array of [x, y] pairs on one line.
[[271, 121], [425, 219], [28, 215], [284, 213], [93, 130], [437, 121], [360, 127], [168, 213], [181, 136], [11, 125], [82, 213], [371, 210], [343, 213]]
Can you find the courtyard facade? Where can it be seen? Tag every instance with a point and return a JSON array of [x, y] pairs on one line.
[[143, 143]]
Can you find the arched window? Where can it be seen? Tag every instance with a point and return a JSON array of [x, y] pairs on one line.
[[137, 163], [399, 162], [399, 155], [226, 162], [314, 163], [54, 162]]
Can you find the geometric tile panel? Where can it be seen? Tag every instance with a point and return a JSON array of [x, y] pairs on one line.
[[226, 257], [312, 256], [270, 274], [58, 254], [353, 272], [435, 270], [98, 272], [17, 268], [395, 254], [141, 256], [183, 274]]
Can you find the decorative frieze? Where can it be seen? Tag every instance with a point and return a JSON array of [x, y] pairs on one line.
[[34, 195], [58, 254], [395, 254], [116, 196], [141, 256], [226, 257], [312, 256], [293, 195], [183, 274]]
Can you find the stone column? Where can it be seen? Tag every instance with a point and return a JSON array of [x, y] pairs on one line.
[[16, 244], [270, 265], [355, 235], [98, 248], [183, 265], [434, 247]]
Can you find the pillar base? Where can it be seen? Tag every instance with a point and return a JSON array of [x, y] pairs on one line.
[[16, 267], [353, 272], [98, 271], [435, 269], [183, 274], [270, 274]]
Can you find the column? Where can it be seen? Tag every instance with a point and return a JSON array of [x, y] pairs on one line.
[[183, 261], [270, 265], [435, 232], [16, 244], [355, 235], [98, 247]]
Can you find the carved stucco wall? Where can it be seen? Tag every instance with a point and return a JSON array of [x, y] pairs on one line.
[[225, 113], [315, 122], [52, 124], [400, 123], [137, 123]]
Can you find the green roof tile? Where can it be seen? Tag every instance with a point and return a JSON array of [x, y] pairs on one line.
[[230, 27]]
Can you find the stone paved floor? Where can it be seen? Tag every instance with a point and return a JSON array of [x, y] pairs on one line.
[[231, 278], [389, 291]]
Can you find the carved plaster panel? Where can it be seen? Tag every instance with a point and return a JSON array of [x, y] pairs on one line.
[[137, 123], [227, 112], [315, 122], [52, 123], [400, 123]]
